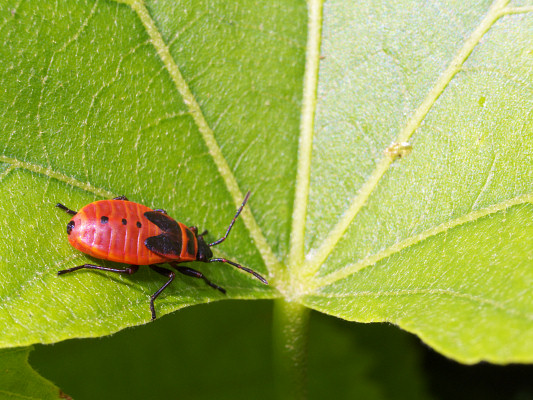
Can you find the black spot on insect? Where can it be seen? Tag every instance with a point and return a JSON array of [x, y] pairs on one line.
[[104, 220], [138, 224], [124, 222], [163, 222], [70, 226]]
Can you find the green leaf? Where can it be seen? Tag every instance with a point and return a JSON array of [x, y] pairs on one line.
[[187, 106], [19, 381], [439, 242], [95, 105]]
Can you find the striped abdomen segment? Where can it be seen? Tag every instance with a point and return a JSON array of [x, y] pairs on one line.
[[115, 230]]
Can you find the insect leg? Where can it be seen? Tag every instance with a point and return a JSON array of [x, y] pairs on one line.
[[170, 275], [121, 198], [197, 274], [66, 209], [130, 270]]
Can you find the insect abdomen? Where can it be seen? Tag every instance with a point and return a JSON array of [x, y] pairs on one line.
[[114, 230]]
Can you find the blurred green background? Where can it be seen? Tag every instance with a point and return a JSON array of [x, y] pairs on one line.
[[223, 350]]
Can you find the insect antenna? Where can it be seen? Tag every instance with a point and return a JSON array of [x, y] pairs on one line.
[[66, 209], [232, 222], [223, 260]]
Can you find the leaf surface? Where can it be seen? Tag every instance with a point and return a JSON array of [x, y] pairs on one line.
[[439, 242], [186, 106]]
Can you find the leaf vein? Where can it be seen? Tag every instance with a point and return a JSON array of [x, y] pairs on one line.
[[207, 133], [374, 258], [7, 171], [316, 257], [301, 195], [438, 292], [488, 180], [39, 169], [517, 10]]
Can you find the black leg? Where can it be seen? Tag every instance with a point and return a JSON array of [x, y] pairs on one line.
[[66, 209], [197, 274], [170, 275], [121, 198], [223, 260], [130, 270]]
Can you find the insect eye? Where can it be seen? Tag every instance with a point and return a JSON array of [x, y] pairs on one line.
[[70, 226]]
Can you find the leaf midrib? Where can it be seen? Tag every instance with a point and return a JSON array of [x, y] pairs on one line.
[[301, 197]]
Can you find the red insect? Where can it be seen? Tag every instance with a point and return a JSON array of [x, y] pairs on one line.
[[123, 231]]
